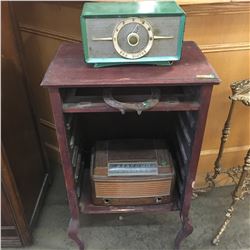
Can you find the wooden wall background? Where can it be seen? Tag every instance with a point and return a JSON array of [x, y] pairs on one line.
[[220, 29]]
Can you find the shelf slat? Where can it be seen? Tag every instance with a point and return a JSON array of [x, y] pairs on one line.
[[92, 100], [91, 107]]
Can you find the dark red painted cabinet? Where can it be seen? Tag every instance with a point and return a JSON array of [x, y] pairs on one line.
[[82, 117]]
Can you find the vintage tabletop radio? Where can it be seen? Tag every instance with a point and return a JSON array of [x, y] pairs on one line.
[[131, 172], [148, 32]]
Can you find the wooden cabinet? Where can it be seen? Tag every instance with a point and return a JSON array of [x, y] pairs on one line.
[[77, 92], [24, 170], [24, 173]]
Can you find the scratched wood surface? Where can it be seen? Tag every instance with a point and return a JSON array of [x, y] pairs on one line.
[[69, 70]]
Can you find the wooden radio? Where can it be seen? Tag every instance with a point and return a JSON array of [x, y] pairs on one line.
[[131, 172]]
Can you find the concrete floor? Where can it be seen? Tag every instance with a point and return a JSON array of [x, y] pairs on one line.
[[142, 231]]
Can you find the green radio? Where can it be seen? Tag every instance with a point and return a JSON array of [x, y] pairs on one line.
[[144, 32]]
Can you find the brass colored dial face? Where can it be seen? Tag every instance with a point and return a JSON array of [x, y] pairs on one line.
[[133, 38]]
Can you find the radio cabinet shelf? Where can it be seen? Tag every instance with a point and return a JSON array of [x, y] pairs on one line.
[[92, 100], [82, 117]]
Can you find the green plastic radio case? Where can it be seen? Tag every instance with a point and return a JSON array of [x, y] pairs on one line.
[[100, 19]]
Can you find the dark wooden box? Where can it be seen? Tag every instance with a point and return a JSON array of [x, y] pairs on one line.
[[185, 118], [131, 172]]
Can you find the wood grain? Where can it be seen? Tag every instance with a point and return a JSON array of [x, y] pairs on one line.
[[24, 168], [73, 72]]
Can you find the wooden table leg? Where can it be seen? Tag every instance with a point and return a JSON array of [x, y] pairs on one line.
[[185, 231], [187, 227], [73, 227], [73, 230]]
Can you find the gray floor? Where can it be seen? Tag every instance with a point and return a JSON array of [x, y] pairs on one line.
[[142, 231]]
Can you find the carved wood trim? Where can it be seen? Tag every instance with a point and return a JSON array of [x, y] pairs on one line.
[[48, 34], [226, 150], [209, 48], [217, 8], [194, 2], [206, 48]]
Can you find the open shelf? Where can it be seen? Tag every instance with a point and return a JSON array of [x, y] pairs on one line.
[[178, 135], [87, 207], [91, 100]]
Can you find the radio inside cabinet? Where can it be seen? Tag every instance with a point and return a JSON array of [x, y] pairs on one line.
[[131, 172]]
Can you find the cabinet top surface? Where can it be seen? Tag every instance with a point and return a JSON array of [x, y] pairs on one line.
[[68, 69]]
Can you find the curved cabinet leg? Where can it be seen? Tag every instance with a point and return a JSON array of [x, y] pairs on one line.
[[73, 231], [185, 231], [67, 167]]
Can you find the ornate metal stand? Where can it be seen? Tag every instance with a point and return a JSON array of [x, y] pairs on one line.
[[241, 189], [240, 175]]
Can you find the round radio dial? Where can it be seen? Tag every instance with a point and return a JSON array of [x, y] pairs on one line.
[[133, 38]]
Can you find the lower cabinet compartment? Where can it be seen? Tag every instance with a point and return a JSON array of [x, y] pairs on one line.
[[85, 131]]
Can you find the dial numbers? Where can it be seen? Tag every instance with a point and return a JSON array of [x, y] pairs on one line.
[[133, 38]]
